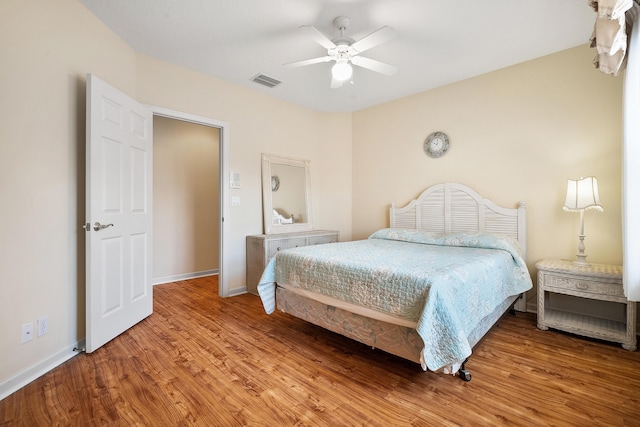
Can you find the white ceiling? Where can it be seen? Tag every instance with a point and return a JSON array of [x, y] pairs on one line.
[[438, 41]]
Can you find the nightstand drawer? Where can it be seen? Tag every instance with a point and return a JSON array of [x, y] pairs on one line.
[[560, 283]]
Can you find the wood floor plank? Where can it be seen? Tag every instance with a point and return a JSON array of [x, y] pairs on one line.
[[204, 360]]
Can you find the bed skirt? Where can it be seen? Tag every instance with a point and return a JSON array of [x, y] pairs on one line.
[[398, 340]]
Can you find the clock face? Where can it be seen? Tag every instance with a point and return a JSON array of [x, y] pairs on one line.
[[436, 144]]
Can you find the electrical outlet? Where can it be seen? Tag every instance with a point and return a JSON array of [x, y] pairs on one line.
[[43, 326], [27, 332]]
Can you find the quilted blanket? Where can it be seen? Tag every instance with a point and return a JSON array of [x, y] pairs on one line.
[[445, 283]]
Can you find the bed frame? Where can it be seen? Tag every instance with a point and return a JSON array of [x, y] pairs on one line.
[[442, 208]]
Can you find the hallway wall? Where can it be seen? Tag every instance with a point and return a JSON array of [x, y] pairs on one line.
[[186, 199]]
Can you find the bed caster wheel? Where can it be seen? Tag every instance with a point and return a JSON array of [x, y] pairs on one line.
[[465, 375]]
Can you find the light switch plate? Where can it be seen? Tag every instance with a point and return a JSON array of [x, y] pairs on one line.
[[234, 180]]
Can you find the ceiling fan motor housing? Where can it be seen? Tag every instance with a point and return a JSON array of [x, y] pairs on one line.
[[341, 22], [341, 51]]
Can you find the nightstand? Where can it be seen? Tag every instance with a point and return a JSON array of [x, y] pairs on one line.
[[597, 282]]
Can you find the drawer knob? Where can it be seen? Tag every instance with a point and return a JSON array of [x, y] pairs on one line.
[[582, 286], [278, 249]]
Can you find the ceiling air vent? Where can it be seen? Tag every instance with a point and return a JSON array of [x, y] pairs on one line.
[[265, 80]]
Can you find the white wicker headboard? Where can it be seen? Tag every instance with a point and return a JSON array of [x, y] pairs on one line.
[[451, 208]]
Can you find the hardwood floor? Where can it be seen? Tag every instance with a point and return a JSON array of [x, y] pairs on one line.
[[203, 360]]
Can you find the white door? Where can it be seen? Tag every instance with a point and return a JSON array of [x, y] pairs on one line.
[[118, 214]]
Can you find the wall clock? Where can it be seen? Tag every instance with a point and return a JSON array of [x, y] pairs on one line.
[[436, 144], [275, 183]]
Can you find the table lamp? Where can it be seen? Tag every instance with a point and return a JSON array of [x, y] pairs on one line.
[[582, 194]]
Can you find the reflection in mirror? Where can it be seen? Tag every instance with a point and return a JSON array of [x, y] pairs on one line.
[[286, 194]]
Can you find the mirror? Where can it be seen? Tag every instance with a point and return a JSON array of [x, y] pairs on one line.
[[286, 194]]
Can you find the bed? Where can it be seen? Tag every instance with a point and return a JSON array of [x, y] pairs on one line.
[[427, 288]]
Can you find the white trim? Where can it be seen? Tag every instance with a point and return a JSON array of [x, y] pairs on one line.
[[630, 158], [224, 244], [184, 276], [25, 377]]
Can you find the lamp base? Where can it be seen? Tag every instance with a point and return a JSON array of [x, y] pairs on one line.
[[581, 261], [581, 257]]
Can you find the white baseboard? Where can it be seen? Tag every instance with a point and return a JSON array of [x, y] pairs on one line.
[[184, 276], [237, 291], [39, 369]]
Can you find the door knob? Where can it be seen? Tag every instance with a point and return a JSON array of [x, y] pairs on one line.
[[97, 226]]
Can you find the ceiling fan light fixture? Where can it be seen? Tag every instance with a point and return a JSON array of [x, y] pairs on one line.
[[342, 71]]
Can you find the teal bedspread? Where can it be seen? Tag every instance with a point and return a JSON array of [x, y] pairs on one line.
[[444, 283]]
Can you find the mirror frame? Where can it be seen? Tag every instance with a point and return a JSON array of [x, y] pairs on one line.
[[267, 200]]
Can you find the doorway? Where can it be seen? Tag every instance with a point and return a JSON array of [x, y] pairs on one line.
[[216, 227], [186, 211]]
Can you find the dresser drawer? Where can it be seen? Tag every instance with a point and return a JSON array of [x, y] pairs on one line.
[[320, 240], [275, 246], [572, 284]]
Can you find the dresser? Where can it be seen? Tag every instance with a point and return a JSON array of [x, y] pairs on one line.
[[262, 247], [595, 282]]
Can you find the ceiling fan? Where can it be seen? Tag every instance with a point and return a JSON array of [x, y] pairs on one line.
[[346, 51]]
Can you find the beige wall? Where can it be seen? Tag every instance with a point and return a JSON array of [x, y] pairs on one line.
[[516, 134], [186, 198], [48, 49]]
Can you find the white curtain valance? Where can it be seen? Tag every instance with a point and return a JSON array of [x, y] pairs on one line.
[[610, 34]]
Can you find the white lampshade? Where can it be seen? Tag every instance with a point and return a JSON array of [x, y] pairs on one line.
[[582, 194], [342, 70]]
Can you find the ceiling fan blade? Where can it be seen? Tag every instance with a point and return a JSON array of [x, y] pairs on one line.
[[372, 64], [335, 83], [307, 62], [316, 35], [374, 39]]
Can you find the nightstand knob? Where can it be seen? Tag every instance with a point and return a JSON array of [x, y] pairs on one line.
[[582, 286]]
